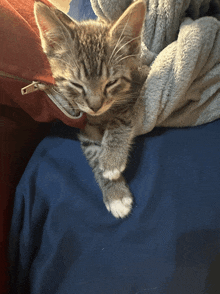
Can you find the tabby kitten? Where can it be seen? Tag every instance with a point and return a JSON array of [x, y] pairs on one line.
[[96, 66]]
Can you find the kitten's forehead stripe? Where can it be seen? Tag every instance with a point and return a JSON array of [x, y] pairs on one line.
[[83, 71], [104, 70], [91, 40], [99, 68]]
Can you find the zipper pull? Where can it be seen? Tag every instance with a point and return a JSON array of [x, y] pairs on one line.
[[30, 88], [34, 86]]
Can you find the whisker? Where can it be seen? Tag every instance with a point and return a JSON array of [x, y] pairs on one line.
[[126, 44], [117, 44], [118, 57], [119, 40], [133, 55]]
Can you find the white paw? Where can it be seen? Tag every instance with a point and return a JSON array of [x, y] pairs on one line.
[[113, 174], [122, 168], [121, 207]]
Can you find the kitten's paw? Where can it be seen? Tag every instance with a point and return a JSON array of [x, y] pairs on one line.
[[113, 174], [120, 208], [111, 165], [117, 197]]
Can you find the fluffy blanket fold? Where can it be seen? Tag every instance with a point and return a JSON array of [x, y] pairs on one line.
[[182, 46]]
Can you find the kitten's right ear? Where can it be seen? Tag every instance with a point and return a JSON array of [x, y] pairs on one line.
[[53, 27], [130, 23]]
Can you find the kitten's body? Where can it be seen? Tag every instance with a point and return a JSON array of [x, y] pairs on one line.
[[96, 66]]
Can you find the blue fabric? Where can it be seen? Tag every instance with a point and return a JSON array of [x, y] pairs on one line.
[[63, 240], [81, 10]]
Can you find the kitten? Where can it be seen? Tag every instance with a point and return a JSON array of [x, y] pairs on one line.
[[96, 66]]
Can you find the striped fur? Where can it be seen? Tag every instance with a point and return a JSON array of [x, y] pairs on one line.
[[96, 65]]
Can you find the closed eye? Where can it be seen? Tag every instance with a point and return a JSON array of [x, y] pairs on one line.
[[79, 88], [111, 83], [77, 85]]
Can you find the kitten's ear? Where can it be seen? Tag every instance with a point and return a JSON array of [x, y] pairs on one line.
[[130, 23], [53, 26]]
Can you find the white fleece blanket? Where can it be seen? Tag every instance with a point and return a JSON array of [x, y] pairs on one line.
[[183, 86]]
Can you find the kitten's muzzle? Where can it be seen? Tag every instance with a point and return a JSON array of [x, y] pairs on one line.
[[95, 105], [95, 109]]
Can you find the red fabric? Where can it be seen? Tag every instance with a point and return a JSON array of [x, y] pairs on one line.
[[23, 119], [22, 56]]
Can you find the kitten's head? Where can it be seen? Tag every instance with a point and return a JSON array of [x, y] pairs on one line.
[[95, 64]]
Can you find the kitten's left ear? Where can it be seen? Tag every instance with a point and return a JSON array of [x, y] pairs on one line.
[[130, 23], [53, 26]]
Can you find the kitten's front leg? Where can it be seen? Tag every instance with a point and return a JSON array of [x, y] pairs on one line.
[[116, 194], [116, 145]]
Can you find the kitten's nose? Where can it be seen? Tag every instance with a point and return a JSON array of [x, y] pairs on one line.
[[95, 109], [95, 105]]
